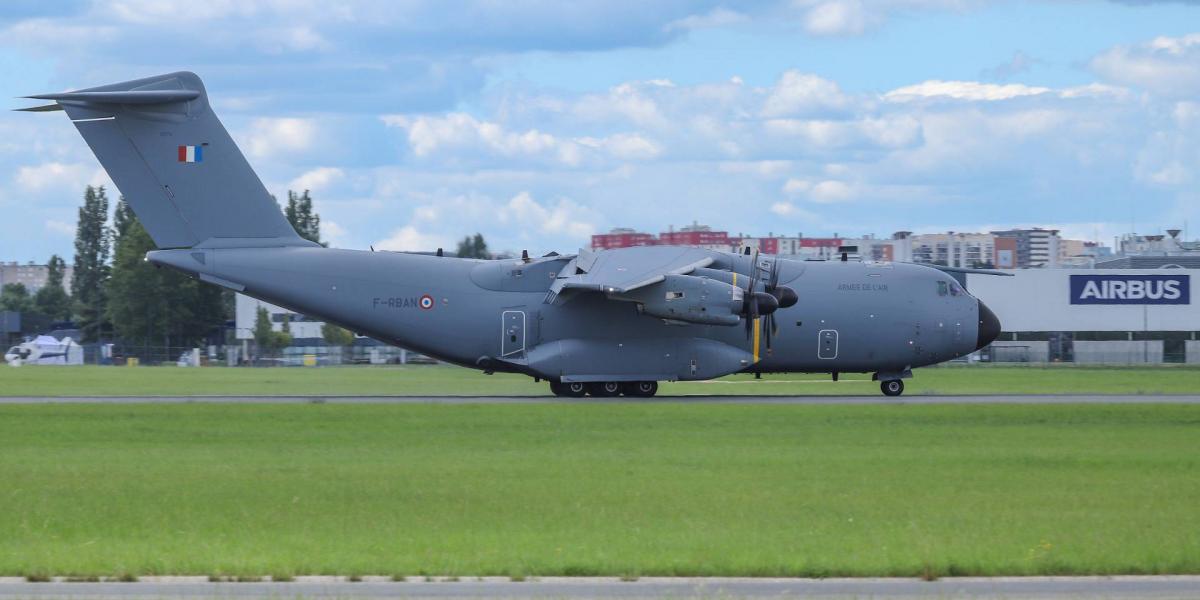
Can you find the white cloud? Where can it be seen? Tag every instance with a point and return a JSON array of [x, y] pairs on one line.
[[789, 210], [462, 135], [57, 175], [60, 227], [839, 17], [758, 168], [563, 218], [1168, 66], [333, 233], [963, 90], [630, 101], [883, 132], [428, 135], [625, 146], [799, 93], [269, 137], [796, 186], [317, 179], [408, 238], [830, 191], [717, 17]]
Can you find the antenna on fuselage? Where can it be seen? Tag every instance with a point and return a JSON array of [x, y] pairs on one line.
[[439, 252]]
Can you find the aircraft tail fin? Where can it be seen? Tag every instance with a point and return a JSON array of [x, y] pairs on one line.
[[178, 168]]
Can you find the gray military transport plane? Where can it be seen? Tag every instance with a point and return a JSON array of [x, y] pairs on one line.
[[599, 323]]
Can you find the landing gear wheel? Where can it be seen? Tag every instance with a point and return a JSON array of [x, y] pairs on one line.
[[641, 389], [572, 389], [892, 387], [604, 389]]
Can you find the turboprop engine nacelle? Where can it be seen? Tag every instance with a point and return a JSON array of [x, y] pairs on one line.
[[690, 299]]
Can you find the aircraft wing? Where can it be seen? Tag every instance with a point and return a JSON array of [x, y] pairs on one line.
[[621, 270]]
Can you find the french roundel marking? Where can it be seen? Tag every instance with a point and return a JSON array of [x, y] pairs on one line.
[[426, 302]]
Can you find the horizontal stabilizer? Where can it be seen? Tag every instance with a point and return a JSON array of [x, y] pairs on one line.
[[123, 96], [43, 108]]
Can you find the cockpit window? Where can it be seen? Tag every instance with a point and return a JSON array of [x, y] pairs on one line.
[[942, 288], [955, 289]]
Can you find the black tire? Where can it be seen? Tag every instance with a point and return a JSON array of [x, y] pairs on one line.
[[641, 389], [604, 389], [568, 390], [892, 387]]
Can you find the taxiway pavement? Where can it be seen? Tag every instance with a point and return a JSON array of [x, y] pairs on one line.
[[1157, 587]]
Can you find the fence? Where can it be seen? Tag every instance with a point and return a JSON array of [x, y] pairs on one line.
[[246, 355]]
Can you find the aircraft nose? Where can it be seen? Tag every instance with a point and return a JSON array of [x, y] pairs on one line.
[[989, 326]]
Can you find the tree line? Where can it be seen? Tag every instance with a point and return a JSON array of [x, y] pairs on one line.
[[117, 295]]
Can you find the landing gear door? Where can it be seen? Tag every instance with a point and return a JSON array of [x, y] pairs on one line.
[[827, 344], [512, 333]]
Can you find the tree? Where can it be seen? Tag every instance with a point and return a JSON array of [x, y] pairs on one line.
[[153, 306], [473, 247], [263, 332], [123, 217], [336, 336], [299, 212], [14, 297], [265, 337], [88, 286], [52, 299]]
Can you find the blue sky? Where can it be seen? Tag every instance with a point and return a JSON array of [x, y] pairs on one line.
[[539, 123]]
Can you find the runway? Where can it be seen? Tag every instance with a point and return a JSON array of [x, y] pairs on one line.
[[1157, 587], [871, 399]]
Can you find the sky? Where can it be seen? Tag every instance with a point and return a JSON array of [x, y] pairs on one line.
[[538, 124]]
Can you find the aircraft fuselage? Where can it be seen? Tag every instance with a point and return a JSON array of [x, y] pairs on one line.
[[493, 315]]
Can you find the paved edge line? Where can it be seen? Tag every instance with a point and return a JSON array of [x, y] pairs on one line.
[[330, 579]]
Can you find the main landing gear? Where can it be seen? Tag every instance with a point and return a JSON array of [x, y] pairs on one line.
[[604, 389], [892, 387]]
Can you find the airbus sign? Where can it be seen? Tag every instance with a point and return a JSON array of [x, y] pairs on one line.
[[1130, 289]]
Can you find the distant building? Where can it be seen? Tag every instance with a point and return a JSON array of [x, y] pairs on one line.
[[797, 247], [954, 249], [1030, 248], [32, 275], [697, 235], [622, 237], [303, 328], [1007, 249], [1132, 244]]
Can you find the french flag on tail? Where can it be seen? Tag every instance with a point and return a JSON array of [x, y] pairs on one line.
[[191, 154]]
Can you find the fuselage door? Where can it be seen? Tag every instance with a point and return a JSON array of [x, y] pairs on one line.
[[512, 334], [827, 344]]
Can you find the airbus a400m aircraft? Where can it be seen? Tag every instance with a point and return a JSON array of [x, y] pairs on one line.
[[600, 323]]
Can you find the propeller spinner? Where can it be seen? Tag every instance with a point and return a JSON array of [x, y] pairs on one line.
[[765, 303]]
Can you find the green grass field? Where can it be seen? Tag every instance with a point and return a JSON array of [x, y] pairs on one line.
[[446, 380], [615, 489]]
